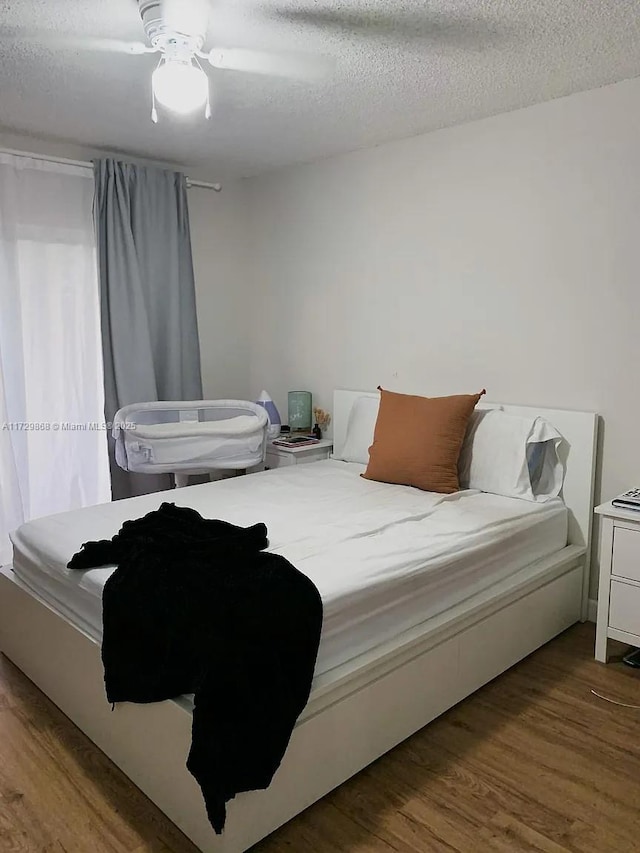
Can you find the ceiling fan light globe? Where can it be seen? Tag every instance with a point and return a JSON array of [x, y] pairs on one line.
[[180, 86]]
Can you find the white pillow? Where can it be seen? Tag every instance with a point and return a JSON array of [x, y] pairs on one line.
[[360, 428], [511, 455]]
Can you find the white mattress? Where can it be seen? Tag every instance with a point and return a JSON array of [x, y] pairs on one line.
[[383, 557]]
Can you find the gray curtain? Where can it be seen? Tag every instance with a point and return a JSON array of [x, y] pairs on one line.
[[147, 296]]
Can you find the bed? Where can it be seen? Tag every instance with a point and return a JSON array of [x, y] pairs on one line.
[[419, 591]]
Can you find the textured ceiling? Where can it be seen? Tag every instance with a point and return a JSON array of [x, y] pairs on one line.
[[447, 61]]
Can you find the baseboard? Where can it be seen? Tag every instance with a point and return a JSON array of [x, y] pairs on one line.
[[592, 610]]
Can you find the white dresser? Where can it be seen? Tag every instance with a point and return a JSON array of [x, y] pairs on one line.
[[280, 457], [619, 590]]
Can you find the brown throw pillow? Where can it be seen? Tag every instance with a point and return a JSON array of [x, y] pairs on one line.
[[417, 440]]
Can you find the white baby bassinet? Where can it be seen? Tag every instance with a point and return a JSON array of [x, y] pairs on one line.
[[190, 437]]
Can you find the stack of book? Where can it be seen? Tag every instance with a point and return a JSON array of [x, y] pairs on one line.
[[297, 440], [629, 500]]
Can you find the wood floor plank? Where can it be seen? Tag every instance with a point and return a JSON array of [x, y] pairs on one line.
[[477, 795], [549, 784], [59, 793], [414, 824], [510, 833], [532, 762]]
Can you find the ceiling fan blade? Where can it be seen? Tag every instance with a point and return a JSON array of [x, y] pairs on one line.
[[109, 45], [65, 41], [291, 65], [436, 27]]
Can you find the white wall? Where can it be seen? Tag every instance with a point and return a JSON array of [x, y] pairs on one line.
[[221, 266], [502, 254]]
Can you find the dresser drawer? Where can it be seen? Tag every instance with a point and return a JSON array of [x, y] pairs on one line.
[[624, 607], [279, 460], [626, 553]]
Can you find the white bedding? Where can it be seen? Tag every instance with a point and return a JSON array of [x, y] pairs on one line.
[[383, 557]]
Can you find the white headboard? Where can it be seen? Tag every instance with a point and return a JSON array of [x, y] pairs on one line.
[[579, 430]]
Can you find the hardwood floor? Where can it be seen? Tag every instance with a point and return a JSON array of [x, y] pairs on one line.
[[532, 762]]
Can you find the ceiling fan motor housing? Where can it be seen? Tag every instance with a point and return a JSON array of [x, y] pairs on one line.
[[163, 35]]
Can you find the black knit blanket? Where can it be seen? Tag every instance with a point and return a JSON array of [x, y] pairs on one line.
[[197, 606]]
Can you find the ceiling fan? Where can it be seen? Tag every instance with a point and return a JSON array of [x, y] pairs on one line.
[[177, 30]]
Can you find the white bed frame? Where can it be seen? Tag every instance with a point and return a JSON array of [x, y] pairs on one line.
[[356, 712]]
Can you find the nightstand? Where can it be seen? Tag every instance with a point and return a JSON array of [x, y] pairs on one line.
[[280, 457], [619, 590]]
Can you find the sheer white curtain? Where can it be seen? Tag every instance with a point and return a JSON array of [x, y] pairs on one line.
[[53, 450]]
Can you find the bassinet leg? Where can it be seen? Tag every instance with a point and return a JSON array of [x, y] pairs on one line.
[[181, 480]]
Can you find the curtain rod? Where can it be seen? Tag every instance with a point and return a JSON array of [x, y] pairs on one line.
[[85, 164]]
